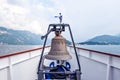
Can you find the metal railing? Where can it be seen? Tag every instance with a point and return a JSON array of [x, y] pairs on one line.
[[110, 62], [101, 65]]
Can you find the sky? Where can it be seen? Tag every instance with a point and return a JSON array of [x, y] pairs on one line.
[[87, 18]]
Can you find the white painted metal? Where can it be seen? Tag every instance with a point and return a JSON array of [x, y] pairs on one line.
[[111, 63], [24, 66], [10, 69], [109, 70]]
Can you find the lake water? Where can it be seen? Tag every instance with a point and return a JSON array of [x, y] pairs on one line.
[[7, 49], [114, 49]]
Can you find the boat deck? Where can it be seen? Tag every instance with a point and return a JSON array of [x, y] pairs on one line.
[[95, 65]]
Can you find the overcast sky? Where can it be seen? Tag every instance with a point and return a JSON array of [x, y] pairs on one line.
[[88, 18]]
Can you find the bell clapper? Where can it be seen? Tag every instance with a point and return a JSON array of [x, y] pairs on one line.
[[57, 33], [60, 62]]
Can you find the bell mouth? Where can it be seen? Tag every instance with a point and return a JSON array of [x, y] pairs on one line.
[[58, 57]]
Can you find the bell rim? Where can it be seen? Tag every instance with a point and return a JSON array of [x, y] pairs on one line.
[[58, 57]]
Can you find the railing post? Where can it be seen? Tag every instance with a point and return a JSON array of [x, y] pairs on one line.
[[109, 69], [10, 70], [90, 54]]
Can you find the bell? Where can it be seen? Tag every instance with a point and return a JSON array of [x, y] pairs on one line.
[[58, 49]]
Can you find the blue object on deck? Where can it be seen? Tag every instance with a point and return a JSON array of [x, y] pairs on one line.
[[68, 65], [58, 68], [52, 64]]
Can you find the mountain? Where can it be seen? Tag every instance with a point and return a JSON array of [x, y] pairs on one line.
[[103, 40], [21, 37], [18, 37]]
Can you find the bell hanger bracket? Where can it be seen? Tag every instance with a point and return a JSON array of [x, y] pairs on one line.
[[55, 28]]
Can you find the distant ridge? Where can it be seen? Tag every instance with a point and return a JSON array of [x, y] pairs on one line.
[[21, 37], [18, 37], [103, 40]]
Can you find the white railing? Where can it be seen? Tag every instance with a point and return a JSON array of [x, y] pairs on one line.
[[98, 65], [20, 65], [95, 65]]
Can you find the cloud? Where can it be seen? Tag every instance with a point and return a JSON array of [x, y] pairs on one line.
[[23, 17], [23, 14], [13, 16], [87, 18]]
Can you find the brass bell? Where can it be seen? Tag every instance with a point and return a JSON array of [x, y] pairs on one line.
[[58, 49]]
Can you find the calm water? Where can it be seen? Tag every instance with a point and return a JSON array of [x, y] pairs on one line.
[[114, 49], [7, 49]]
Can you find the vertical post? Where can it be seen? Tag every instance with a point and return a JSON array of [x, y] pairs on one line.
[[78, 76], [10, 71], [90, 54], [40, 75], [109, 70]]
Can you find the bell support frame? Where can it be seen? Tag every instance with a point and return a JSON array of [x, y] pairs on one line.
[[51, 28]]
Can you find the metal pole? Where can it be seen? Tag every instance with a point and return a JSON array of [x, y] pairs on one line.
[[75, 48], [77, 75], [42, 51]]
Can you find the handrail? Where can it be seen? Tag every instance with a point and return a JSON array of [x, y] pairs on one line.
[[106, 53], [21, 52]]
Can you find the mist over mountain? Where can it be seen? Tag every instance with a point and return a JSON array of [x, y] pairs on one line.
[[103, 40], [19, 37]]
